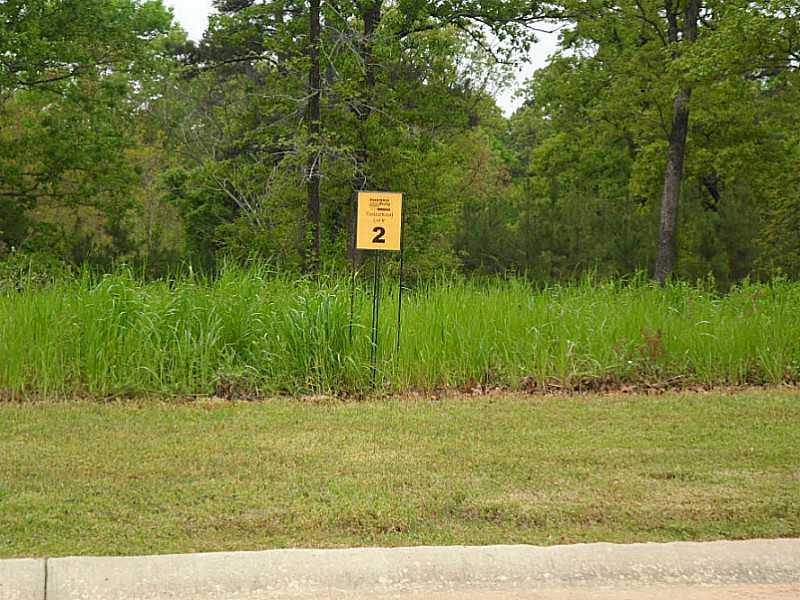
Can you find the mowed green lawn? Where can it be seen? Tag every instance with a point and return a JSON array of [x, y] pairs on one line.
[[151, 477]]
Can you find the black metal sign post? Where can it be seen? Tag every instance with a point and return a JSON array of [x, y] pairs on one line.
[[376, 313], [400, 295], [378, 228], [354, 271]]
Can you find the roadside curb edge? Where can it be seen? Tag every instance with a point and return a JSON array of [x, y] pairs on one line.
[[375, 572]]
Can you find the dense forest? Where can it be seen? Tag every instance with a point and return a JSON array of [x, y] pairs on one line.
[[663, 136]]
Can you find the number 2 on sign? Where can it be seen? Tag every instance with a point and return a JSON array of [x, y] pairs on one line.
[[379, 239]]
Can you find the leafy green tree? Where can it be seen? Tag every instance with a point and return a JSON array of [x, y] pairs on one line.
[[45, 42], [613, 133], [394, 87], [69, 76]]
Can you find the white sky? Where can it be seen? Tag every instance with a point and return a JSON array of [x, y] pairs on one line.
[[541, 51], [193, 17]]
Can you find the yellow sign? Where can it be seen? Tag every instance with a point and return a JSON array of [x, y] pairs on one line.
[[380, 221]]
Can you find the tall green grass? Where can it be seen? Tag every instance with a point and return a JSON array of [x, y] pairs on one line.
[[252, 331]]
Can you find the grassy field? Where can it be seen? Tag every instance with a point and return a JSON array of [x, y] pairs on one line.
[[153, 477], [250, 331]]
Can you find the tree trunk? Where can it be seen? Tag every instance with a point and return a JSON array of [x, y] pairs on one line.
[[372, 19], [673, 177], [372, 13], [314, 118], [673, 174]]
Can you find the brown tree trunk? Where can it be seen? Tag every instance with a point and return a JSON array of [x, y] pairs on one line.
[[673, 174], [314, 119], [372, 13], [673, 177]]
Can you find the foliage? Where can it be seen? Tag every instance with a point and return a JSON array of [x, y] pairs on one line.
[[271, 334], [72, 84], [25, 271], [122, 142], [592, 140]]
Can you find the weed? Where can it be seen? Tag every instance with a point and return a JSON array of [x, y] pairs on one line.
[[253, 332]]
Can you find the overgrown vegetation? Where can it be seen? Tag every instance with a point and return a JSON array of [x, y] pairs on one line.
[[144, 478], [251, 332]]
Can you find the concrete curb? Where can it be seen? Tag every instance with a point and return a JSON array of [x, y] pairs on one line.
[[299, 574], [22, 579]]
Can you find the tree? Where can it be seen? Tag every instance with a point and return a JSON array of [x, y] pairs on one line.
[[69, 72], [614, 130], [314, 118], [677, 33], [44, 43], [327, 101]]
